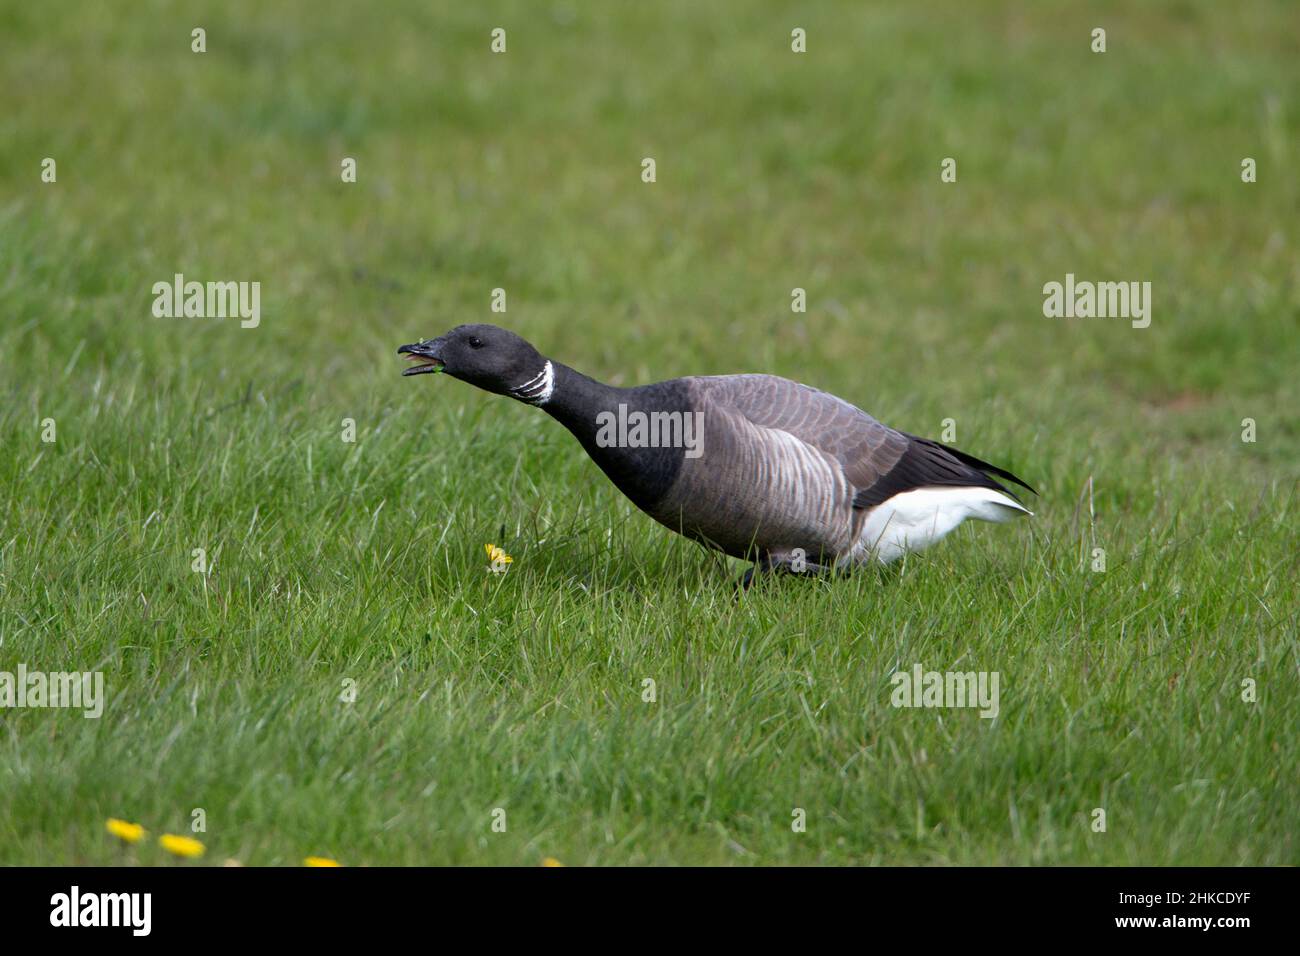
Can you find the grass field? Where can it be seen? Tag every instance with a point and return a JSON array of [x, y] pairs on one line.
[[335, 565]]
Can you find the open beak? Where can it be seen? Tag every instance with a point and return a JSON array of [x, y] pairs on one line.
[[424, 357]]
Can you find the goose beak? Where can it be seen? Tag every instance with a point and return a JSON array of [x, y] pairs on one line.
[[424, 357]]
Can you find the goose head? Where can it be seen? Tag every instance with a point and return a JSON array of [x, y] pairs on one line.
[[487, 356]]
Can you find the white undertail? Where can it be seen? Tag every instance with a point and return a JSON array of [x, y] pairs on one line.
[[917, 519]]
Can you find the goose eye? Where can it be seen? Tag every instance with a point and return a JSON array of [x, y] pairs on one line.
[[475, 342]]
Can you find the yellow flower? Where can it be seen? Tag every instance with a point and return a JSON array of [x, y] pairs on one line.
[[496, 557], [320, 861], [181, 846], [551, 861], [130, 832]]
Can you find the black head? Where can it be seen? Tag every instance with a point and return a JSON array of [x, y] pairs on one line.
[[493, 358]]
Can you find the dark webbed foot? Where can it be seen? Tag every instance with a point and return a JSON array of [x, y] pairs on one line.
[[747, 579], [793, 562]]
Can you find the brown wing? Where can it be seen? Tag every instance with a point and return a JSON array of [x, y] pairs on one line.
[[877, 461], [865, 449]]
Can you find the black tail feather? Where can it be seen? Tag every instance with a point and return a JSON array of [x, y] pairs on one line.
[[977, 464], [926, 464]]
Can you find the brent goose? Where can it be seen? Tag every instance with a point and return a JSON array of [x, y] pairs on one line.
[[757, 466]]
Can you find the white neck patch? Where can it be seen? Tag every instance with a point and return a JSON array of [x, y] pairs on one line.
[[538, 389]]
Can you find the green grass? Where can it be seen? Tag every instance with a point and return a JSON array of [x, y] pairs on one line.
[[365, 562]]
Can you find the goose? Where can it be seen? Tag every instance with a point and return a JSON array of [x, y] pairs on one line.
[[759, 467]]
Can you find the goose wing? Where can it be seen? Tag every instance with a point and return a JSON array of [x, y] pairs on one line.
[[876, 461]]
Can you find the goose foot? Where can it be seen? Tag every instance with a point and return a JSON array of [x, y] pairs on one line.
[[781, 564], [747, 579]]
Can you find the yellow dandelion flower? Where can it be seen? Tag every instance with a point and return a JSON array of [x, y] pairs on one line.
[[181, 846], [497, 558], [320, 861], [129, 832], [551, 861]]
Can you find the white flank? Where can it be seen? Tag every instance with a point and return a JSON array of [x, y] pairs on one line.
[[801, 477], [917, 519]]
